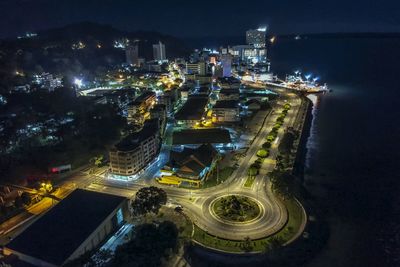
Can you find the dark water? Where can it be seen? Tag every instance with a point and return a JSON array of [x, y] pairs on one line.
[[353, 160]]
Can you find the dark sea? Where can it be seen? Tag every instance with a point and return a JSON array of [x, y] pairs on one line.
[[353, 152]]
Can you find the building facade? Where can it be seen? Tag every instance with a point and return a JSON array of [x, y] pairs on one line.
[[132, 55], [196, 68], [135, 151], [226, 62], [159, 52], [138, 110], [226, 111], [159, 112], [256, 37]]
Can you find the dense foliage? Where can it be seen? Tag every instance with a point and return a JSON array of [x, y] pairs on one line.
[[149, 246], [148, 200], [43, 129]]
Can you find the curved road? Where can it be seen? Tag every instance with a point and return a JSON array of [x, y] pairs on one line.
[[196, 202]]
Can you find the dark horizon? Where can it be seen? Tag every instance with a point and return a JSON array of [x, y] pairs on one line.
[[188, 19], [210, 39]]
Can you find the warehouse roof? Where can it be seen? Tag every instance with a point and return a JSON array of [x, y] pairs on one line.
[[226, 104], [193, 109], [59, 232], [201, 136]]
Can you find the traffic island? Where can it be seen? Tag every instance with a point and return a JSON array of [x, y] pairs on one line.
[[292, 230], [236, 209]]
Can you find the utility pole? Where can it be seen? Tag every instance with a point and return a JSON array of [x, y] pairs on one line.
[[217, 174]]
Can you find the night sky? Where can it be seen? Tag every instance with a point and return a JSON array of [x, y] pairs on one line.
[[206, 17]]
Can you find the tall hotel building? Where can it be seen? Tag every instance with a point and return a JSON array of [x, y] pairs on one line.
[[159, 52]]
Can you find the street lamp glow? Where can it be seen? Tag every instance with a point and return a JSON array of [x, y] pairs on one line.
[[78, 82]]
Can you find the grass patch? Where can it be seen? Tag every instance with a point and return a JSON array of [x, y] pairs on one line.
[[215, 242], [236, 208], [249, 181], [295, 219], [218, 177]]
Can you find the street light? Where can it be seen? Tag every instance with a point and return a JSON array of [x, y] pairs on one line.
[[78, 82], [272, 40]]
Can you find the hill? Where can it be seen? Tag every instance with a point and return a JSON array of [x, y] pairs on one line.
[[52, 51]]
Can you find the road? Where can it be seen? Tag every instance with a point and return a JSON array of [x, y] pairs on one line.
[[197, 202], [21, 221]]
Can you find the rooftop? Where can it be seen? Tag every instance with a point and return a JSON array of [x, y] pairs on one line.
[[144, 96], [226, 104], [193, 159], [59, 232], [132, 141], [201, 136], [193, 109], [227, 91]]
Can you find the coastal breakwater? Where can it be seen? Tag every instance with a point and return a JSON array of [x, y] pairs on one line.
[[304, 130]]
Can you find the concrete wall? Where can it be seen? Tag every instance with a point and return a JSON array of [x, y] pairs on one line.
[[102, 231]]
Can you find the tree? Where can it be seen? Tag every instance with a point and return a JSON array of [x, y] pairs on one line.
[[149, 245], [287, 142], [148, 199], [266, 145], [252, 171], [283, 182], [287, 106], [97, 161], [262, 153]]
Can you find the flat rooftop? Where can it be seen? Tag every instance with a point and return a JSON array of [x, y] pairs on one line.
[[193, 109], [229, 91], [133, 141], [226, 104], [201, 136], [61, 230]]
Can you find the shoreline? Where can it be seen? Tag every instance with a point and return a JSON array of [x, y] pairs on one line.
[[302, 248], [301, 153]]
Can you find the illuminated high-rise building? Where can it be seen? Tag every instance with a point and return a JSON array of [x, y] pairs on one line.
[[226, 63], [159, 52], [196, 68], [132, 55], [256, 37]]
